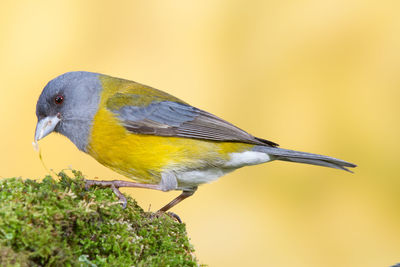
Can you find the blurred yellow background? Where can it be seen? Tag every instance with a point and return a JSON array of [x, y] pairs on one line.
[[317, 76]]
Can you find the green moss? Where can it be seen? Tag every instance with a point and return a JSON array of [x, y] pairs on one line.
[[59, 223]]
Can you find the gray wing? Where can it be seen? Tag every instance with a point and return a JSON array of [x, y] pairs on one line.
[[168, 118]]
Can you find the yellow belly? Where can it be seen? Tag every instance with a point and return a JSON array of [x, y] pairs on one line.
[[144, 157]]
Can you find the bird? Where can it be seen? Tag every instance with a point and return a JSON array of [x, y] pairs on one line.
[[157, 140]]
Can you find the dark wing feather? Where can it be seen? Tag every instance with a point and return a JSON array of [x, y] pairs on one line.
[[168, 118]]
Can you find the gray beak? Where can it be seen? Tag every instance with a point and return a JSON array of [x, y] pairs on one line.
[[45, 126]]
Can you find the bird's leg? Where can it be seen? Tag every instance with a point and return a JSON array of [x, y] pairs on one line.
[[185, 194], [116, 184]]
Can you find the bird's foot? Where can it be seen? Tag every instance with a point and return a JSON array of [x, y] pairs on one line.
[[114, 185], [174, 216], [169, 213]]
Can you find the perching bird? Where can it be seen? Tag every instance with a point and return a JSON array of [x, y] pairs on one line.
[[154, 138]]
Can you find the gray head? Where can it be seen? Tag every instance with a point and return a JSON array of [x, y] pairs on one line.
[[67, 105]]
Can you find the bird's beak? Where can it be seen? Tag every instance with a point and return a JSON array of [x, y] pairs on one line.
[[45, 126]]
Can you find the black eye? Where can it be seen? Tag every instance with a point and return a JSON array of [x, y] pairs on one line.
[[59, 99]]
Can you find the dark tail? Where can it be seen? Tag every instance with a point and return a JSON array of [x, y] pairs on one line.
[[304, 157]]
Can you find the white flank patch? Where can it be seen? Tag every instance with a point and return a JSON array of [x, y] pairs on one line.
[[238, 160], [194, 178]]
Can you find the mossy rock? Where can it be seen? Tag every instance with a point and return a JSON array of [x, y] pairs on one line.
[[59, 223]]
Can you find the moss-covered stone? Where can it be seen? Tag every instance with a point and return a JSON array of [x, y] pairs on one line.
[[59, 223]]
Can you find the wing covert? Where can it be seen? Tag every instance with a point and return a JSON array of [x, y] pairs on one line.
[[169, 118]]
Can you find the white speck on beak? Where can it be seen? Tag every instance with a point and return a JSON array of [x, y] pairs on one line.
[[45, 126]]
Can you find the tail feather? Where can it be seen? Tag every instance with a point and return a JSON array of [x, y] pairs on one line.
[[304, 157]]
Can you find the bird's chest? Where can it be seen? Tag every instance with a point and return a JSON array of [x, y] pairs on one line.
[[137, 156]]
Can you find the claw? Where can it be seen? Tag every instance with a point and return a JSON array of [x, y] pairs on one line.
[[158, 214], [121, 196], [174, 215]]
